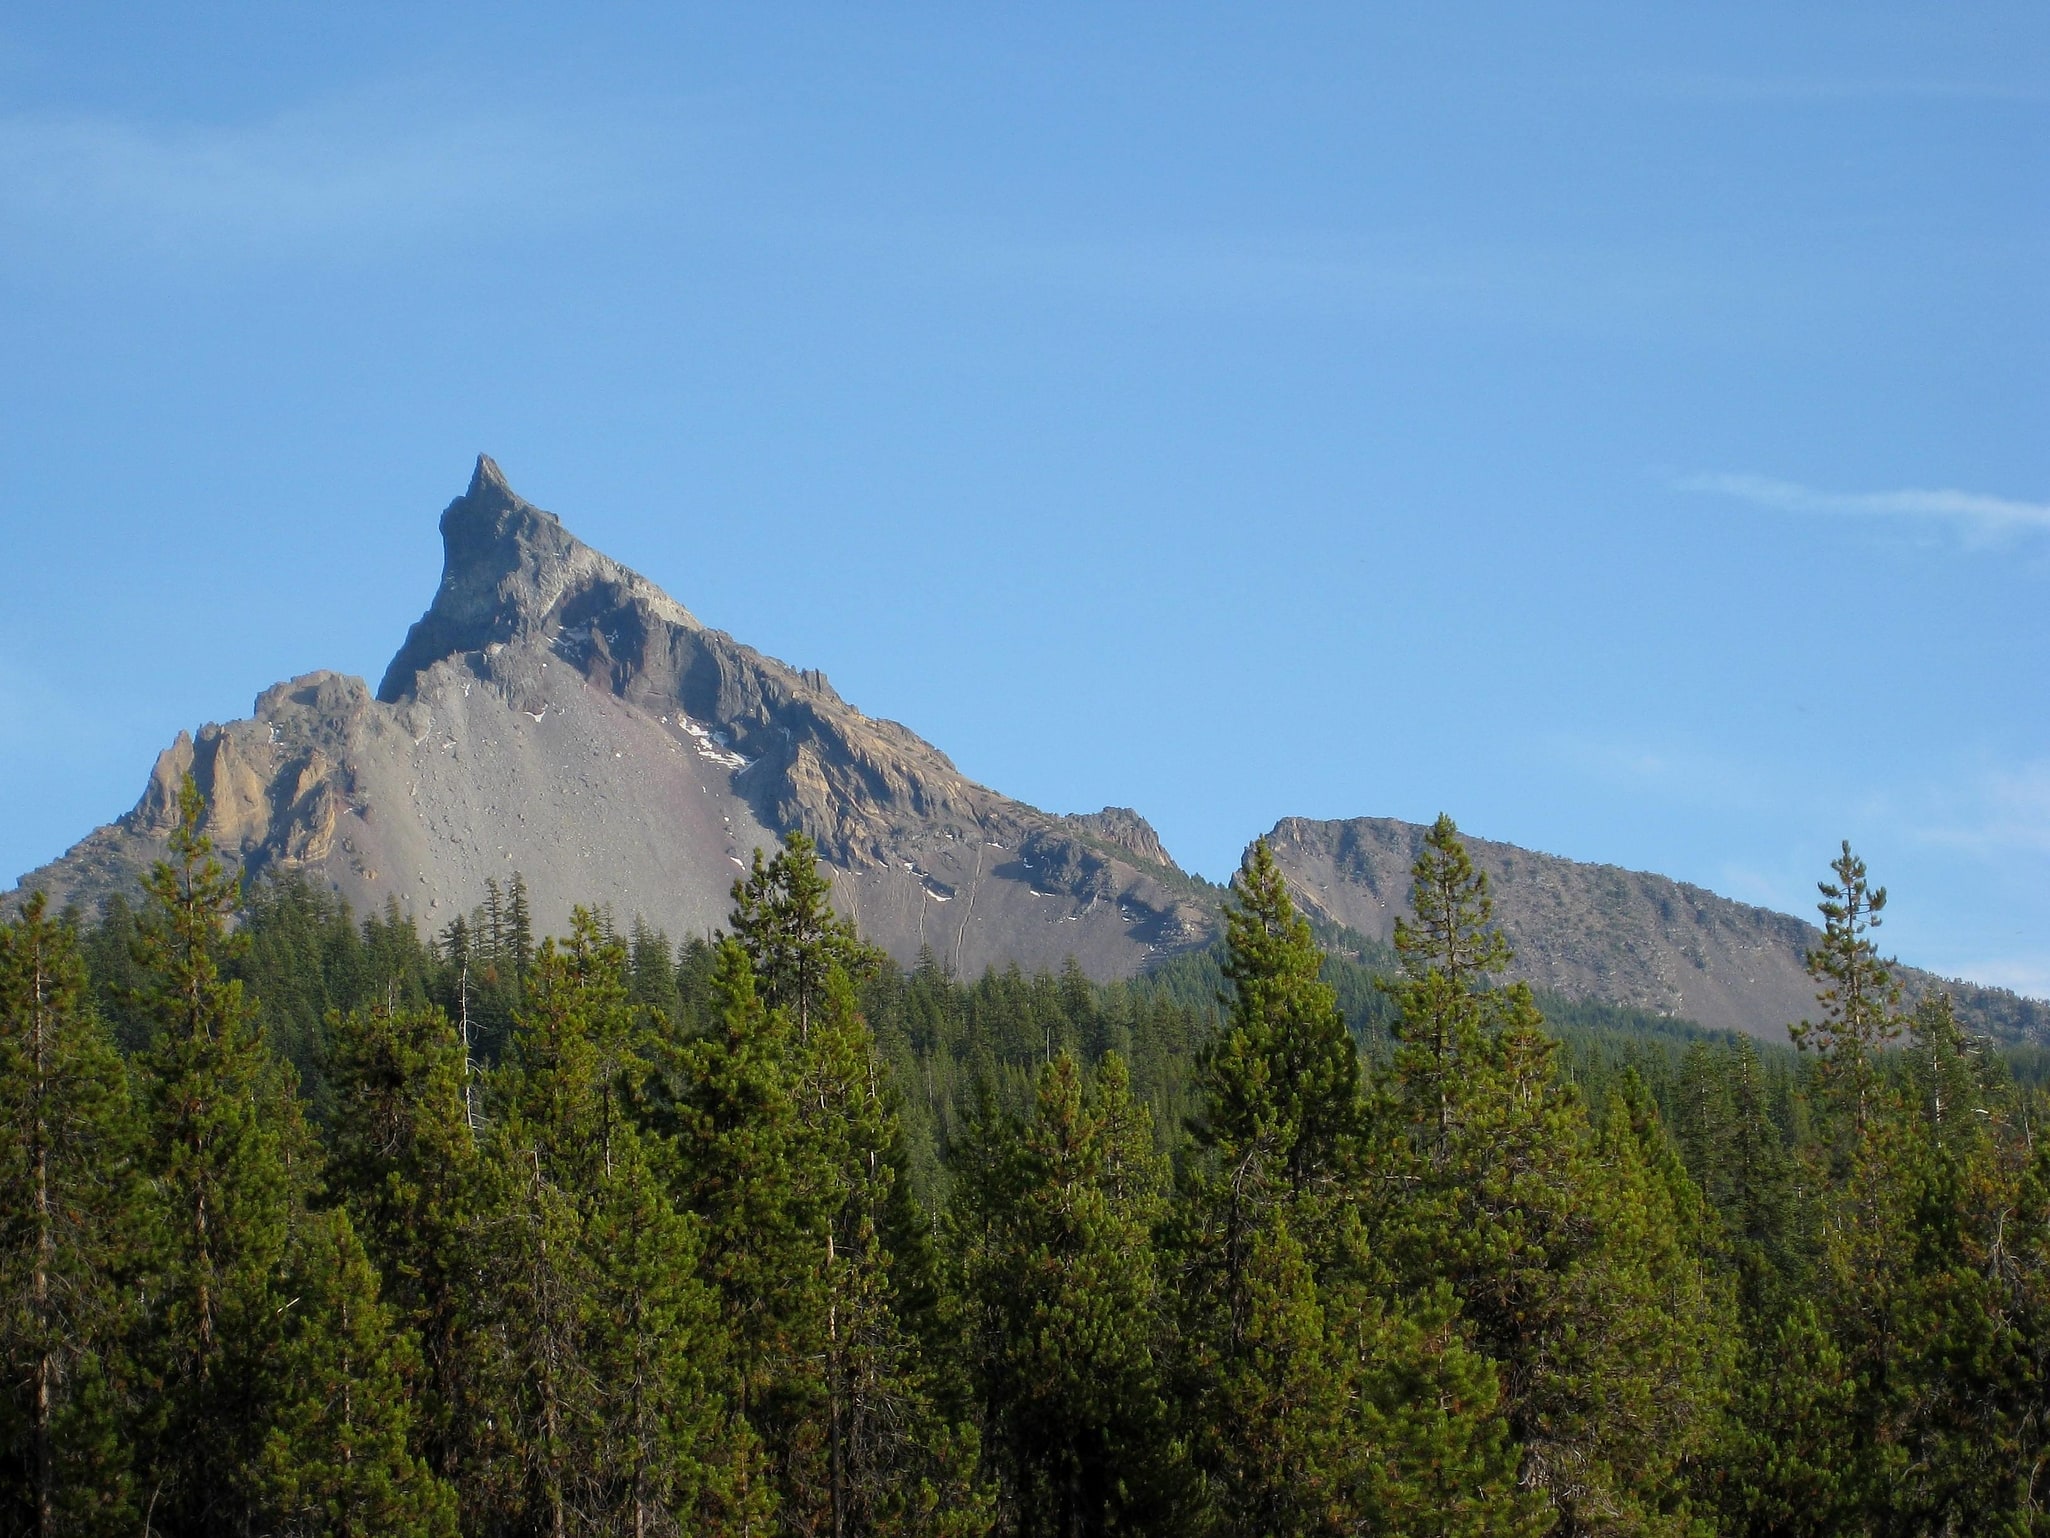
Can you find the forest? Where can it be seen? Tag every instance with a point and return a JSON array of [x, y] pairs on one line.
[[311, 1224]]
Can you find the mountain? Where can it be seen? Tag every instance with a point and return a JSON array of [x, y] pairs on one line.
[[1597, 932], [556, 714]]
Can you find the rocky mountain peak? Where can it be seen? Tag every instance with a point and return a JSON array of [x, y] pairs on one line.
[[1124, 830], [488, 477], [508, 568]]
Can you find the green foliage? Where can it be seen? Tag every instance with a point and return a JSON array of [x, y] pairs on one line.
[[1281, 1082], [256, 1301], [1052, 1222], [759, 1234], [402, 1154], [593, 1333], [1860, 999], [790, 1150], [70, 1216], [1566, 1245]]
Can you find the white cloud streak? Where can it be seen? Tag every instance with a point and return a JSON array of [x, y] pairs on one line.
[[1983, 517], [391, 163]]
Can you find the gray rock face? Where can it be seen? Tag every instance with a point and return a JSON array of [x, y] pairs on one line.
[[1616, 936], [557, 714]]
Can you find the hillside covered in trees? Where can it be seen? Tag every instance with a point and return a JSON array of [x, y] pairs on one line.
[[316, 1225]]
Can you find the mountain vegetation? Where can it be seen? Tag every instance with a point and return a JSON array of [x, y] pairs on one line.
[[310, 1224]]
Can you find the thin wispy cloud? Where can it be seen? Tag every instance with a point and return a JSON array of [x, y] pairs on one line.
[[1982, 518], [1824, 89], [1998, 812], [1406, 275], [391, 163]]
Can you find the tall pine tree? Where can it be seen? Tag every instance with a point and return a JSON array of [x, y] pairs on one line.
[[1055, 1219], [70, 1205], [595, 1338]]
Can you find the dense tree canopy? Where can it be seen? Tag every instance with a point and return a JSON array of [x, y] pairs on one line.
[[309, 1224]]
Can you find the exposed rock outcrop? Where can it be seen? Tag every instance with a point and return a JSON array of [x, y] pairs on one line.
[[556, 713]]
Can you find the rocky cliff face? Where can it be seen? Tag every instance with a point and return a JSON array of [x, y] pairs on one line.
[[557, 714], [1601, 933]]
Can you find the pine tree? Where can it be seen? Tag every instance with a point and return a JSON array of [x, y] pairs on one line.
[[1447, 956], [335, 1459], [1559, 1245], [1859, 997], [782, 917], [594, 1333], [652, 968], [1275, 1434], [1435, 1455], [1282, 1081], [226, 1200], [236, 1251], [403, 1156], [1941, 1338], [1789, 1470], [518, 936], [1315, 1400], [1737, 1154], [71, 1203], [734, 1114], [1056, 1219], [858, 1447]]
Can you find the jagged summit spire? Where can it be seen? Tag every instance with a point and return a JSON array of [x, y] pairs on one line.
[[486, 478], [506, 567]]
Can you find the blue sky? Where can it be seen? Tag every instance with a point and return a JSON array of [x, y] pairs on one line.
[[1622, 427]]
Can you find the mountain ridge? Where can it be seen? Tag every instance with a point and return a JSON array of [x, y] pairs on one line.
[[557, 713], [1604, 933], [554, 712]]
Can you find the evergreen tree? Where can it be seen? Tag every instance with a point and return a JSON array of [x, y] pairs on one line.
[[734, 1114], [403, 1155], [595, 1334], [69, 1211], [1056, 1221], [1859, 997], [1274, 1438], [335, 1459], [1434, 1450], [226, 1200], [517, 937], [1788, 1467], [858, 1447], [1943, 1419], [1447, 958], [794, 940], [1277, 1133], [1564, 1249], [235, 1252], [1299, 1372], [652, 969], [1738, 1155], [1281, 1084]]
